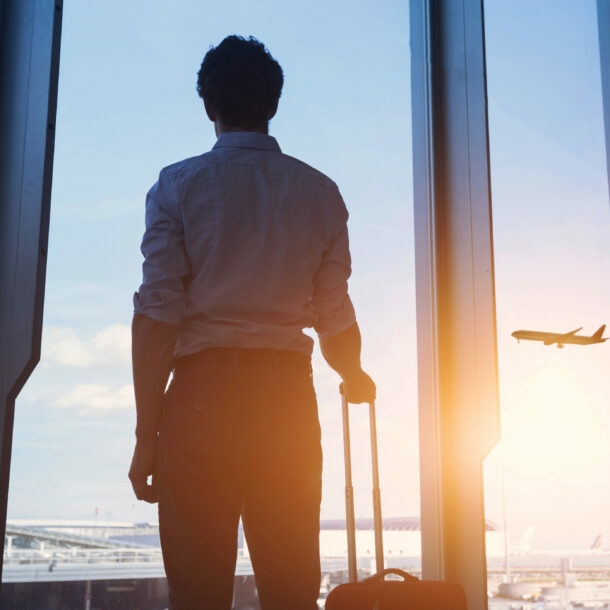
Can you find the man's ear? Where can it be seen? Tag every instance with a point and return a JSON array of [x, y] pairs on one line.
[[273, 111], [208, 110]]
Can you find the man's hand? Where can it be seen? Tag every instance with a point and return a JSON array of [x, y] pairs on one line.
[[358, 388], [144, 465]]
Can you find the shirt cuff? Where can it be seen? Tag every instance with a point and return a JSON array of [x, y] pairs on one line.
[[161, 305], [332, 323]]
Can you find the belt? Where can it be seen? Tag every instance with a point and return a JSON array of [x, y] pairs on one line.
[[245, 354]]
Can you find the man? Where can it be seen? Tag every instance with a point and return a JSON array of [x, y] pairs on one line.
[[244, 247]]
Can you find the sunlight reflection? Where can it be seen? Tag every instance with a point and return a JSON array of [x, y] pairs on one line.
[[553, 430]]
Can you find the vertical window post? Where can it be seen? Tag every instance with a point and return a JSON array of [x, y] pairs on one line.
[[29, 66], [603, 26], [456, 330]]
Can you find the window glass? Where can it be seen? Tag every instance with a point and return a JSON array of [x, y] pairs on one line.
[[548, 481], [127, 107]]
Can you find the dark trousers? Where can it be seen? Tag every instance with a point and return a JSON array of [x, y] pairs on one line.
[[240, 436]]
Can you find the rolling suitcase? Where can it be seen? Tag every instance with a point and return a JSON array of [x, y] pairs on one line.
[[377, 593]]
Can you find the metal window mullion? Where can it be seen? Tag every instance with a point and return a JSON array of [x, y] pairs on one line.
[[603, 27], [454, 283], [29, 66]]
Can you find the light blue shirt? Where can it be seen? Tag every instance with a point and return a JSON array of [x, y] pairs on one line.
[[244, 247]]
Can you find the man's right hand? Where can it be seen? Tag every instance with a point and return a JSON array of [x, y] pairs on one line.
[[359, 388], [143, 469]]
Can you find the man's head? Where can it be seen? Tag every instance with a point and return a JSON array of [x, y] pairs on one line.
[[240, 84]]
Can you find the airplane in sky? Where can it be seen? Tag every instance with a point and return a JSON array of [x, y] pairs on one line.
[[561, 338]]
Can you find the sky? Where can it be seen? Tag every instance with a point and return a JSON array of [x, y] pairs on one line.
[[552, 256], [127, 107]]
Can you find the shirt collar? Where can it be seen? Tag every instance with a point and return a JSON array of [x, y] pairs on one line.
[[247, 139]]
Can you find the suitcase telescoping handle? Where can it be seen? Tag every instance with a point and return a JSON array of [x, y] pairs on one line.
[[349, 493]]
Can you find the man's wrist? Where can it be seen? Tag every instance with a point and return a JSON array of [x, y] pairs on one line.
[[351, 372]]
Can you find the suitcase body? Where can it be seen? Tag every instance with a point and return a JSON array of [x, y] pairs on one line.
[[409, 593], [377, 593]]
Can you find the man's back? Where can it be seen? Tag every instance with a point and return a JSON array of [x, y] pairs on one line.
[[258, 249]]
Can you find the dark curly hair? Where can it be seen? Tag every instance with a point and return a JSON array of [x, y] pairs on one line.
[[240, 82]]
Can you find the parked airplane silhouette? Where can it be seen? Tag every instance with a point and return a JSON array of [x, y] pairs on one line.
[[561, 338]]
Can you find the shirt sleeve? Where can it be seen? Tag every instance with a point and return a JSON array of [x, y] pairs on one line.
[[331, 302], [165, 269]]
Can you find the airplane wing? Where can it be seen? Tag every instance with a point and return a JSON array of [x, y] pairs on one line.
[[572, 332]]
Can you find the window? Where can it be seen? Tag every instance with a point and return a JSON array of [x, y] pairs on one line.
[[547, 482], [127, 107]]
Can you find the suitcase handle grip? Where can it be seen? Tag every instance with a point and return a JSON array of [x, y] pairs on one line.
[[381, 575]]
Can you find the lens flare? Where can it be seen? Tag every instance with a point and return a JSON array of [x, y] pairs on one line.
[[552, 430]]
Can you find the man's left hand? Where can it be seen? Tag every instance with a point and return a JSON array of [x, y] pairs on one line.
[[143, 466]]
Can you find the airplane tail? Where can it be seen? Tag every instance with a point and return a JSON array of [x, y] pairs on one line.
[[523, 544], [597, 543], [528, 537], [599, 332]]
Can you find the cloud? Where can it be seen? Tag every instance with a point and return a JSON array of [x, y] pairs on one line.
[[110, 346], [92, 397]]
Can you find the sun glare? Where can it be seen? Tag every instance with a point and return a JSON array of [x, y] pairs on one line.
[[552, 430]]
